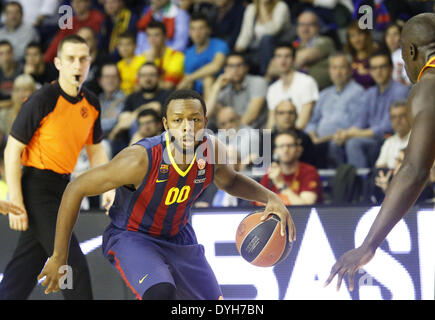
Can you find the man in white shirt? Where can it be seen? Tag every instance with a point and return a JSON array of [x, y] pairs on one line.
[[400, 121], [302, 89]]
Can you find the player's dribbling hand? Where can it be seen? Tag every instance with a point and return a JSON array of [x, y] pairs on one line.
[[51, 274], [349, 263], [10, 207], [276, 206]]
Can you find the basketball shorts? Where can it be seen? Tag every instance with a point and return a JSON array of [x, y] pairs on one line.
[[144, 261]]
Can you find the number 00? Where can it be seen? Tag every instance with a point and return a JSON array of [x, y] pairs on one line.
[[175, 194]]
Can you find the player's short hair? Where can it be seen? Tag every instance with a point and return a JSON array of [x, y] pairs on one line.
[[287, 45], [382, 53], [128, 35], [154, 24], [184, 94], [73, 38]]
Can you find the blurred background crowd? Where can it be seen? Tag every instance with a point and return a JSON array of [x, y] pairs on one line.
[[326, 78]]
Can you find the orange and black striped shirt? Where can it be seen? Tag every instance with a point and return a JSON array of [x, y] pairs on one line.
[[55, 127]]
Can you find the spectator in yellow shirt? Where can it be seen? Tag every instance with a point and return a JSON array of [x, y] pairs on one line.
[[169, 62], [130, 63]]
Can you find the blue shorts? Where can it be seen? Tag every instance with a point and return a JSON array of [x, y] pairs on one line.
[[144, 261]]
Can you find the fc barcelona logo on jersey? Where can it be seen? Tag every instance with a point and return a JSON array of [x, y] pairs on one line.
[[164, 168], [84, 112], [201, 164]]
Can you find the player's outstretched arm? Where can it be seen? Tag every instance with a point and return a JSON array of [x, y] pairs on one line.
[[244, 187], [126, 168], [404, 189]]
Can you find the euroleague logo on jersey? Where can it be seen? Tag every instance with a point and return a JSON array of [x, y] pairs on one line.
[[84, 112], [201, 164]]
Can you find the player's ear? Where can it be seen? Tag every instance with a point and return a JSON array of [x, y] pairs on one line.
[[57, 63], [165, 123], [412, 51]]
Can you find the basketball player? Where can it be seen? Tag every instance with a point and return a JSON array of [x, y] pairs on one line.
[[418, 51], [51, 128], [150, 240]]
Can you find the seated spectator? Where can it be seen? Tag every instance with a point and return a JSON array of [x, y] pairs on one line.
[[117, 20], [391, 39], [363, 140], [149, 125], [300, 88], [297, 183], [36, 12], [285, 120], [35, 66], [84, 16], [98, 58], [204, 59], [130, 63], [336, 108], [149, 96], [9, 70], [175, 19], [401, 124], [169, 62], [228, 20], [112, 99], [384, 177], [360, 45], [313, 49], [244, 140], [16, 30], [246, 93], [264, 24]]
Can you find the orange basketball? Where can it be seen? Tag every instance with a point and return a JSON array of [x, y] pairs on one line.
[[260, 242]]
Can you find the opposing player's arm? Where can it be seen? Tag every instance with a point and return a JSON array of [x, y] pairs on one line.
[[244, 187]]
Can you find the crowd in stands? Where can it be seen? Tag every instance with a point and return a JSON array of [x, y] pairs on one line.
[[332, 94]]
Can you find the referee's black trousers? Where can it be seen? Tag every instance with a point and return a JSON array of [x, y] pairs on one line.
[[42, 193]]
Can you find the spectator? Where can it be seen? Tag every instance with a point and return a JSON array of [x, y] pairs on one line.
[[243, 139], [149, 125], [150, 96], [84, 16], [35, 66], [360, 45], [243, 91], [35, 12], [300, 88], [130, 63], [19, 34], [228, 21], [264, 23], [23, 87], [175, 19], [391, 39], [9, 70], [363, 140], [313, 49], [297, 183], [112, 98], [204, 59], [118, 19], [169, 62], [401, 124], [97, 59], [336, 108], [285, 120]]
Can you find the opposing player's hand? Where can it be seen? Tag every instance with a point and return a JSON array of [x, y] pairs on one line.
[[10, 207], [349, 263], [51, 274], [276, 206], [108, 198]]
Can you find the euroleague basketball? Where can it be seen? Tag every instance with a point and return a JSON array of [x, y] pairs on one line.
[[260, 242]]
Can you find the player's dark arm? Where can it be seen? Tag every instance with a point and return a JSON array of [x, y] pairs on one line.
[[126, 168], [246, 188]]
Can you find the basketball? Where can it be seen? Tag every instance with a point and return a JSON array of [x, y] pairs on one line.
[[260, 242]]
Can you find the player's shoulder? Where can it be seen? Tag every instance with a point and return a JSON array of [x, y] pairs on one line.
[[422, 94], [91, 98], [151, 142], [45, 97]]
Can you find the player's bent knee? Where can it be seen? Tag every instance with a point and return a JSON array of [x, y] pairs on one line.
[[160, 291]]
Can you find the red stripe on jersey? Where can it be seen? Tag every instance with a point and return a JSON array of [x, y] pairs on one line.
[[147, 192], [182, 206], [162, 210]]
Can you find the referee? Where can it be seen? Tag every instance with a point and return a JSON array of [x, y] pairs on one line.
[[53, 125]]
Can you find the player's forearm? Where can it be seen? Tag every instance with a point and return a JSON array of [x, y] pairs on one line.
[[246, 188], [13, 174], [401, 195]]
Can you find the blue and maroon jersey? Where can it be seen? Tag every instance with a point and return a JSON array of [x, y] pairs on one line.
[[161, 205]]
